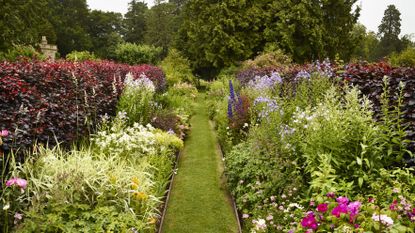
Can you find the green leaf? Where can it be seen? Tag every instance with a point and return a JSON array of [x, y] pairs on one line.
[[359, 161], [360, 181]]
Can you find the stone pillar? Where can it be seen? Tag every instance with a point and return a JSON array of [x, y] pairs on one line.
[[47, 49]]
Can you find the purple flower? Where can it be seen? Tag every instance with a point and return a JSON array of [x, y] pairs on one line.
[[302, 75], [4, 133], [342, 200], [265, 82], [230, 107], [309, 221], [322, 207], [269, 105], [338, 210], [353, 209], [231, 91], [22, 183]]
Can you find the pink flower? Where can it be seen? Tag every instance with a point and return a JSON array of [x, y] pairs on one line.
[[322, 207], [312, 203], [353, 209], [309, 221], [342, 200], [371, 200], [338, 210], [22, 183], [4, 133]]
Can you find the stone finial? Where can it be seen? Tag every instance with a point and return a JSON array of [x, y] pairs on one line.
[[44, 40], [47, 49]]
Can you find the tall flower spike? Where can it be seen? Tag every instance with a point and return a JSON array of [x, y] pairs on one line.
[[230, 111], [231, 91]]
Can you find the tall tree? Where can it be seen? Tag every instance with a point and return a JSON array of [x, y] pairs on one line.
[[135, 22], [105, 29], [161, 25], [70, 20], [389, 31], [24, 22], [218, 33], [296, 28], [366, 43], [338, 18]]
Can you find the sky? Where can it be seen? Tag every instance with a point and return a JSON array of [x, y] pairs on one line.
[[371, 14]]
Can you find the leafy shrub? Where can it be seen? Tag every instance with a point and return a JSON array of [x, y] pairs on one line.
[[136, 100], [180, 96], [405, 58], [19, 52], [81, 56], [274, 58], [46, 101], [134, 54], [177, 68]]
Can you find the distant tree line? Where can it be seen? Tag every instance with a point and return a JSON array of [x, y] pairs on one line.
[[212, 34]]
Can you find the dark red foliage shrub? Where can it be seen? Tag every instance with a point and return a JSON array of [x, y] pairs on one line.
[[369, 79], [43, 101]]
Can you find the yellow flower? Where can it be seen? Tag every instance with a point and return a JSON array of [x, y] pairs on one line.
[[152, 221], [140, 195], [135, 183]]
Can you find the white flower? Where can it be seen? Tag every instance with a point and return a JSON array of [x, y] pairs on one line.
[[386, 220], [270, 217], [260, 224], [245, 216], [6, 207]]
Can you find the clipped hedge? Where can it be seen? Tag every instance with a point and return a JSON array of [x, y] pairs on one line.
[[62, 101]]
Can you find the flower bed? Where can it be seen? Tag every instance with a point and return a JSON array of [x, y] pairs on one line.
[[307, 136], [48, 102]]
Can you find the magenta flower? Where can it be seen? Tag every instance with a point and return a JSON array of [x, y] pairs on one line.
[[353, 209], [342, 200], [322, 207], [309, 221], [4, 133], [338, 210], [21, 183]]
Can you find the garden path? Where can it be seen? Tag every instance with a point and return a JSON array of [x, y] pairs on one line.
[[199, 202]]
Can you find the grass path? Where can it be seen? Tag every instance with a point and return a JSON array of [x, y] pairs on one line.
[[198, 202]]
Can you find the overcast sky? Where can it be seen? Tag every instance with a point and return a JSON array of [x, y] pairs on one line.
[[371, 14]]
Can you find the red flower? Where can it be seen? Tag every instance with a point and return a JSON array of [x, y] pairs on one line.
[[394, 205], [322, 207]]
